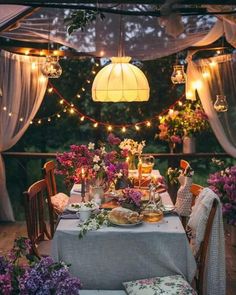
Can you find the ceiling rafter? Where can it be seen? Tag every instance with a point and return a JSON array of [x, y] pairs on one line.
[[158, 2]]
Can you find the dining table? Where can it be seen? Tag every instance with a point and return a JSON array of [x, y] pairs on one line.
[[106, 257]]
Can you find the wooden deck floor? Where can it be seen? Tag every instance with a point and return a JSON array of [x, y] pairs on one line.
[[9, 231]]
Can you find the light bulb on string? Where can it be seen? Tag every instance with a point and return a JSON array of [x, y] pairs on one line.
[[148, 123], [123, 129], [82, 118], [61, 101], [109, 128], [137, 127], [21, 119], [4, 108], [95, 125]]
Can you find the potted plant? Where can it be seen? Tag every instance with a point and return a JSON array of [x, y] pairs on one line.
[[182, 124]]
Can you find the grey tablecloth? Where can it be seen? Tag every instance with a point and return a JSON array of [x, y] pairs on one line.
[[105, 258]]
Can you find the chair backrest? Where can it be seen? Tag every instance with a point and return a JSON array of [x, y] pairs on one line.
[[35, 209], [184, 164], [204, 247], [195, 190], [48, 171]]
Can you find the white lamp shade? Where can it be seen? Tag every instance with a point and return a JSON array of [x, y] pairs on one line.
[[120, 81]]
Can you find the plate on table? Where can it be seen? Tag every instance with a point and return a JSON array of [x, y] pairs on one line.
[[73, 207], [126, 224], [77, 188], [168, 209]]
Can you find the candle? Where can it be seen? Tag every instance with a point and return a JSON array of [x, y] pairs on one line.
[[83, 185]]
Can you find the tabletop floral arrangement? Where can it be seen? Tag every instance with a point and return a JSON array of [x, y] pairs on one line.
[[101, 166], [23, 273], [131, 199], [187, 120], [133, 148], [223, 183]]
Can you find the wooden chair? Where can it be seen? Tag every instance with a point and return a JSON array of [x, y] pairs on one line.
[[184, 164], [48, 171], [35, 210], [201, 259], [49, 176], [195, 190]]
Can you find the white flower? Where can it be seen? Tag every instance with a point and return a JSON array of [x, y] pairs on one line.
[[103, 150], [96, 167], [119, 175], [96, 159], [91, 146]]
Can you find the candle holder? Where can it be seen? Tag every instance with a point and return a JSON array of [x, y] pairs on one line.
[[83, 190]]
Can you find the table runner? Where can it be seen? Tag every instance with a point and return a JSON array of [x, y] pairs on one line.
[[105, 258]]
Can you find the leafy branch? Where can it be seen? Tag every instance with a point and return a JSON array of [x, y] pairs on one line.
[[80, 19]]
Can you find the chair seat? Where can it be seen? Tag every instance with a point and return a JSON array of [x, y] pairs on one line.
[[44, 248], [102, 292], [168, 285]]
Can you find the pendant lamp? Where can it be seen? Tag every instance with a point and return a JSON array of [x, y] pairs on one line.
[[120, 81]]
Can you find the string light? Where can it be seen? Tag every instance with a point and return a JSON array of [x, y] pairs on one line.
[[123, 127], [78, 95], [50, 90], [4, 108], [10, 114], [21, 119]]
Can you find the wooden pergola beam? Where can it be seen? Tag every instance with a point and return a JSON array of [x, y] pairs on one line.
[[158, 2]]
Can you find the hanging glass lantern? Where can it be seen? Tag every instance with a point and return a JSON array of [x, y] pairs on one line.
[[51, 68], [178, 76], [221, 104], [120, 81]]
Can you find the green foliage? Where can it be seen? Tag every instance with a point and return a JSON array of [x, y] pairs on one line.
[[80, 19]]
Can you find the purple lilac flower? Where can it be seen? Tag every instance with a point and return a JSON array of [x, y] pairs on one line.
[[5, 284], [133, 196], [69, 286], [223, 183], [113, 140]]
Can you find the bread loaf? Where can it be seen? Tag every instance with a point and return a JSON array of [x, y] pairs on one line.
[[122, 215]]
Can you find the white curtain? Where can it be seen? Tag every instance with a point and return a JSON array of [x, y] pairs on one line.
[[22, 90], [210, 77]]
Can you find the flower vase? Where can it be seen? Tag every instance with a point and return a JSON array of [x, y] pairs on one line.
[[97, 194], [131, 162], [189, 144], [183, 203], [172, 147]]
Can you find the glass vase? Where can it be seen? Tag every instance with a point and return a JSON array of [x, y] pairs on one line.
[[131, 162], [96, 193]]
